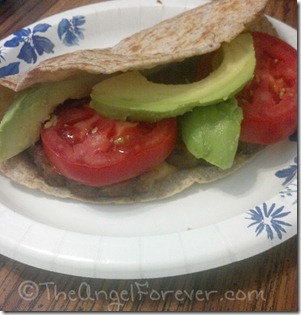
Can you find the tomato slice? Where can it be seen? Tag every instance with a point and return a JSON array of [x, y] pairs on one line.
[[96, 151], [269, 101]]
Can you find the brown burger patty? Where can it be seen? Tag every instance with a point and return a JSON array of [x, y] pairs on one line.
[[179, 160]]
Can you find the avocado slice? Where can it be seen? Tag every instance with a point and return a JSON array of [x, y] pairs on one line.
[[131, 96], [20, 126], [212, 132]]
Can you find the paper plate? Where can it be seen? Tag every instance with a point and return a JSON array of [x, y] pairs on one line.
[[204, 227]]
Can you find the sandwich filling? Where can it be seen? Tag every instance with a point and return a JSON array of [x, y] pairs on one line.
[[130, 126]]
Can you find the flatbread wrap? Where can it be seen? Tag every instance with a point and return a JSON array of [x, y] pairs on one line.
[[178, 42]]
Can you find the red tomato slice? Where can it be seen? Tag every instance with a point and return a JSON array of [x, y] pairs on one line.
[[269, 101], [97, 151]]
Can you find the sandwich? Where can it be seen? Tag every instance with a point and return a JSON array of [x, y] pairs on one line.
[[163, 109]]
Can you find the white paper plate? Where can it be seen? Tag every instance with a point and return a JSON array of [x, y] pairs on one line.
[[204, 227]]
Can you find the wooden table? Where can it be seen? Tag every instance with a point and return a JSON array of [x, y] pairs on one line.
[[267, 282]]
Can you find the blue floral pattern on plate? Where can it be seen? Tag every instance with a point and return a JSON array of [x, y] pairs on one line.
[[32, 43], [268, 218], [12, 68], [290, 193], [70, 32], [289, 173]]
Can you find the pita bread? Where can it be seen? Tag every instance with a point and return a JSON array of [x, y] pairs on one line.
[[195, 32], [163, 182]]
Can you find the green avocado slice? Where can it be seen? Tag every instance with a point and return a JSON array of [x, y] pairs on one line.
[[212, 132], [131, 96], [20, 126]]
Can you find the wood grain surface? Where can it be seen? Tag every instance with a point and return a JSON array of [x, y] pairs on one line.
[[266, 282]]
